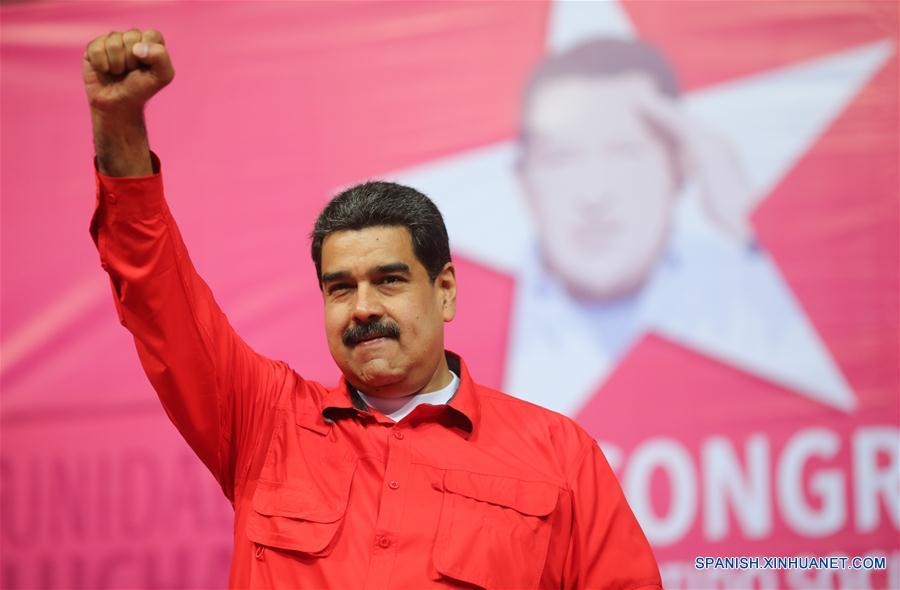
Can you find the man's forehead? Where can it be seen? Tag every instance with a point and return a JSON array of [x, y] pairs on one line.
[[572, 102], [367, 248]]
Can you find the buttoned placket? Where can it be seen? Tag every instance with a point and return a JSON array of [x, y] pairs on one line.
[[391, 507]]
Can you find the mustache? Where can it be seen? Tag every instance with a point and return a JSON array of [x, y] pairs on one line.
[[356, 333]]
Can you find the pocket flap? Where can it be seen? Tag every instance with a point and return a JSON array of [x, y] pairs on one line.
[[300, 516], [534, 498], [306, 503]]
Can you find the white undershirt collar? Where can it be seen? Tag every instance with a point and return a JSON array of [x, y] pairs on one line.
[[397, 408]]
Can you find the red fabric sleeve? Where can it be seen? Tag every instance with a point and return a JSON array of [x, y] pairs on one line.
[[213, 386], [608, 549]]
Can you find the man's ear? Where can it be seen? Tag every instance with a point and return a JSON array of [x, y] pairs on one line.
[[446, 284]]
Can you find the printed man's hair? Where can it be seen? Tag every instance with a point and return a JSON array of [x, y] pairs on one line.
[[604, 58]]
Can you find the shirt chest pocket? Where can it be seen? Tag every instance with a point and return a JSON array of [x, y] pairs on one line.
[[493, 531], [300, 516]]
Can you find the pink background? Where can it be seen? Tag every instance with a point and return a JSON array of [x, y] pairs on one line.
[[273, 107]]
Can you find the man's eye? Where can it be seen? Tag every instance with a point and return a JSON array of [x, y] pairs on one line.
[[391, 279], [338, 288]]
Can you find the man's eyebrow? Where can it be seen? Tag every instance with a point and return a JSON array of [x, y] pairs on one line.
[[383, 269], [335, 276], [392, 267]]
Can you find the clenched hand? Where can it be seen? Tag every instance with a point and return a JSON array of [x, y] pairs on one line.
[[121, 72]]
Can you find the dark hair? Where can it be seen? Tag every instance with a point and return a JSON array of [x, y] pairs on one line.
[[605, 57], [379, 203]]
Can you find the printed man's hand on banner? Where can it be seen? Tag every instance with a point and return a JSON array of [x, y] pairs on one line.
[[705, 157]]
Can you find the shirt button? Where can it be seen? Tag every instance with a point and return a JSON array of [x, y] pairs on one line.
[[394, 484], [398, 435], [384, 542], [112, 197]]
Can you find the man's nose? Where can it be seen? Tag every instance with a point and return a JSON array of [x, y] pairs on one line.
[[595, 201], [368, 305]]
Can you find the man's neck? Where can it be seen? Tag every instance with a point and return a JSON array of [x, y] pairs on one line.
[[441, 378]]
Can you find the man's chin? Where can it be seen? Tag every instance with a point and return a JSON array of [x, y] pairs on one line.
[[617, 285], [601, 279], [376, 375]]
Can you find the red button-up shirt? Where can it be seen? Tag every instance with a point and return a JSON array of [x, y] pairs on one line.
[[488, 490]]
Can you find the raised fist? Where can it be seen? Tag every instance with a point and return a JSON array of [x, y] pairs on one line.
[[123, 70]]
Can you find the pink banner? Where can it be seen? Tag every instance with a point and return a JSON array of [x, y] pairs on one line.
[[676, 222]]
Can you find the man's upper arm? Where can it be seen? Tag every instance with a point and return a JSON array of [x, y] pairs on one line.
[[608, 549], [213, 386]]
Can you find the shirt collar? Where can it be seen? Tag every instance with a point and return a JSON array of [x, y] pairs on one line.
[[344, 400]]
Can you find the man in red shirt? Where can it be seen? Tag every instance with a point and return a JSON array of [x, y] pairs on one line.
[[408, 474]]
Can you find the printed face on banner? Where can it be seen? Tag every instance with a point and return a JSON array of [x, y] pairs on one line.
[[600, 180], [640, 203]]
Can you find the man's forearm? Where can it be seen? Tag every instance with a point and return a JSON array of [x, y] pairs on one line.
[[120, 142]]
